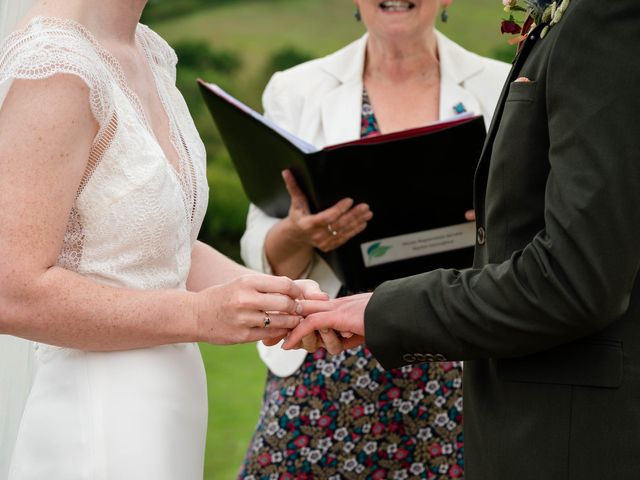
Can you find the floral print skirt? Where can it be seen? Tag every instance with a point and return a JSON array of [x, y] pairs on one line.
[[345, 417]]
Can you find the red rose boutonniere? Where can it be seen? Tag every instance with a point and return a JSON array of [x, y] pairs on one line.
[[524, 15]]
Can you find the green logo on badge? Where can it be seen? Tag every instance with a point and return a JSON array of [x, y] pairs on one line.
[[377, 250]]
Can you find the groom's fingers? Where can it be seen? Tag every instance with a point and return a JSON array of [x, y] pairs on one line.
[[306, 327], [310, 343], [353, 341], [332, 342]]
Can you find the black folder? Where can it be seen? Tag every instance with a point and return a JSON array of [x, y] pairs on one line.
[[418, 184]]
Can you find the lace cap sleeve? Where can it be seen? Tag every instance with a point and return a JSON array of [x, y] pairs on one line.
[[47, 47], [161, 52]]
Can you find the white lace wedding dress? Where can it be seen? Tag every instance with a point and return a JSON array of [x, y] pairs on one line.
[[139, 414]]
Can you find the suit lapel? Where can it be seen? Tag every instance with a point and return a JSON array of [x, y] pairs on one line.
[[482, 170]]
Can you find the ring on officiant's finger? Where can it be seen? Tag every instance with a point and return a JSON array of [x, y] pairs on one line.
[[331, 230], [267, 320]]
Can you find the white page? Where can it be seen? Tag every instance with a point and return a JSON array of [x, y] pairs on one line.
[[306, 147]]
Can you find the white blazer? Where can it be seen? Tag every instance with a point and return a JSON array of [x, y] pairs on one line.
[[320, 101]]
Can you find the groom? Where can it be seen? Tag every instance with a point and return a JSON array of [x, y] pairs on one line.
[[548, 320]]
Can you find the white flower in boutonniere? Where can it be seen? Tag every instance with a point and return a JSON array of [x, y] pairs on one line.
[[524, 15]]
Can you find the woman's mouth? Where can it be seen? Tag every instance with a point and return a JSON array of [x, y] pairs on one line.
[[396, 6]]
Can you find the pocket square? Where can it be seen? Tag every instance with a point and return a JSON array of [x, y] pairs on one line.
[[522, 80]]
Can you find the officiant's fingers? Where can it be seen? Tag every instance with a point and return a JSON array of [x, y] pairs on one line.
[[298, 198], [346, 227], [331, 215], [349, 231], [470, 215]]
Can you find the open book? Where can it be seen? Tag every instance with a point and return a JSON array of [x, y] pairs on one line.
[[418, 184]]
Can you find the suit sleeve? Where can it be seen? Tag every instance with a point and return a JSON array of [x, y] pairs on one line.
[[576, 276]]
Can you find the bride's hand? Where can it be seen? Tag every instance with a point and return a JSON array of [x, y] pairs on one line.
[[250, 308]]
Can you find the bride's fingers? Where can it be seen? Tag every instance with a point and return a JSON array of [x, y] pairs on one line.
[[269, 285], [311, 289], [270, 342], [274, 302], [308, 307], [273, 320], [267, 335]]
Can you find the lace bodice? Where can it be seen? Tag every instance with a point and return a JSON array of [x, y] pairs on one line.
[[135, 217]]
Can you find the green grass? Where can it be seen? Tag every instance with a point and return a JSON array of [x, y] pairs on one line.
[[256, 29], [236, 380]]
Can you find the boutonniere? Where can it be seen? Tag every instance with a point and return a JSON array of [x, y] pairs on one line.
[[524, 15]]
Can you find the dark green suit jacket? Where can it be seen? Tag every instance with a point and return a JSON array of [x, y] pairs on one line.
[[548, 319]]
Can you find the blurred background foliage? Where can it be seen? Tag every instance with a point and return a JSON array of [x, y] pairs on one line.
[[239, 44]]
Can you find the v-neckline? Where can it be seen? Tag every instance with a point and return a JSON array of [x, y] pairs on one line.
[[182, 172], [116, 69]]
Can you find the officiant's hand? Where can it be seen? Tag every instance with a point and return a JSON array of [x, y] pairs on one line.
[[328, 229], [340, 321], [252, 307]]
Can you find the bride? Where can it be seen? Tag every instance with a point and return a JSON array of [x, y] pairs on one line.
[[102, 193]]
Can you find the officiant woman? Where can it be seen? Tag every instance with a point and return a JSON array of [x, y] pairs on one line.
[[343, 416]]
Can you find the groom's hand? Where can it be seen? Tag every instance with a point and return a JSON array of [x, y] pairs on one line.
[[343, 315]]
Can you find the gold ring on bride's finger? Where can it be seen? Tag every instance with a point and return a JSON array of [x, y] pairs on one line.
[[331, 230], [267, 320]]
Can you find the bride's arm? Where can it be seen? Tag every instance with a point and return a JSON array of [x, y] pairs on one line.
[[210, 267], [46, 130]]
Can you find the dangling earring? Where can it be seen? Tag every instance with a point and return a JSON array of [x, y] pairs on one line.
[[357, 15], [444, 16]]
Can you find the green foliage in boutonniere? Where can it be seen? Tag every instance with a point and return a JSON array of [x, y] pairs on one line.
[[524, 15]]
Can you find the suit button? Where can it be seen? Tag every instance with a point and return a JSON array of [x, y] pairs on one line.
[[407, 357], [481, 236]]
